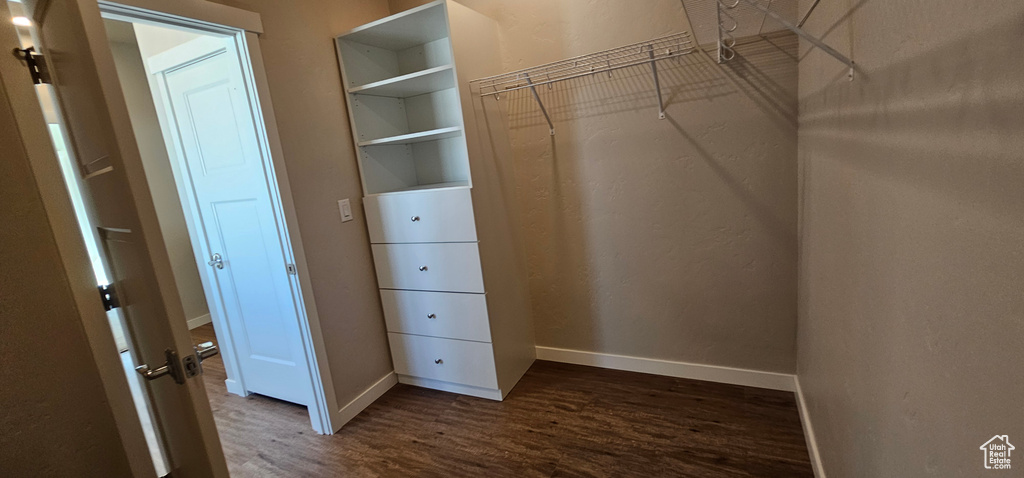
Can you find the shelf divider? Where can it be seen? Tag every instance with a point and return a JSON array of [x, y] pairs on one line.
[[418, 137], [411, 84]]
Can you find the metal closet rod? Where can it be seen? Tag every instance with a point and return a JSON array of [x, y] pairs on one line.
[[636, 54]]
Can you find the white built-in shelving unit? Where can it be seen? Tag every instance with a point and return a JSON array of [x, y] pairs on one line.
[[449, 265]]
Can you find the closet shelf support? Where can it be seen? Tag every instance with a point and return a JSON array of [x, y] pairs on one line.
[[657, 84], [806, 36], [533, 89], [808, 14]]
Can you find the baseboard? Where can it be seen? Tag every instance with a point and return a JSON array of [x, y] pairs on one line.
[[812, 442], [488, 393], [710, 373], [199, 321], [358, 404], [235, 388]]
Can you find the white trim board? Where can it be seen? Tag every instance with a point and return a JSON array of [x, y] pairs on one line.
[[200, 321], [711, 373], [488, 393], [812, 441], [358, 404]]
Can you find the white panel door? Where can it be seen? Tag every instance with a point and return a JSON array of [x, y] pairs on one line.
[[116, 194], [239, 230]]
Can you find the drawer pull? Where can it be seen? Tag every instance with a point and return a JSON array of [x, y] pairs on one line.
[[438, 361], [431, 316], [415, 219], [423, 268]]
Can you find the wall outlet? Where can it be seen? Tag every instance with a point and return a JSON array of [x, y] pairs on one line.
[[346, 210]]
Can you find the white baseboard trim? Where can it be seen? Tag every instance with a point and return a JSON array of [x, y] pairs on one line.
[[358, 404], [235, 388], [812, 442], [199, 321], [710, 373], [488, 393]]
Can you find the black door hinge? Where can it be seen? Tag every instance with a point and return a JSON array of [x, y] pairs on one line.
[[109, 297], [36, 64]]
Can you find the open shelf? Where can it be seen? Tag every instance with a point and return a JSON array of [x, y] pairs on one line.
[[403, 100], [412, 84], [418, 137]]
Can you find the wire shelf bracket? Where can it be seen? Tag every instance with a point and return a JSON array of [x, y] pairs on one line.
[[727, 24], [636, 54], [533, 89]]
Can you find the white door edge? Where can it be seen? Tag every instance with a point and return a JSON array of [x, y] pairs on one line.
[[324, 408]]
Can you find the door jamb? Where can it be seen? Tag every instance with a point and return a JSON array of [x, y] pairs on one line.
[[239, 24]]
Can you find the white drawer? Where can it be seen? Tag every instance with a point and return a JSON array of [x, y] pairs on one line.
[[422, 216], [447, 360], [437, 314], [448, 267]]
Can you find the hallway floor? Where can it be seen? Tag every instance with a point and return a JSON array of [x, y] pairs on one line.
[[560, 420]]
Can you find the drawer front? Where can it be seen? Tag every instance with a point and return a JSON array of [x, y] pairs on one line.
[[449, 267], [428, 216], [437, 314], [455, 361]]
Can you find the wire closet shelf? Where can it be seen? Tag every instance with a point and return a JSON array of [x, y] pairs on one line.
[[727, 24], [646, 53]]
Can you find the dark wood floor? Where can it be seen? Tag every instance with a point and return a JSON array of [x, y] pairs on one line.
[[560, 420]]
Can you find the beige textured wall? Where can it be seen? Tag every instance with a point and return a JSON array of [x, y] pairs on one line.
[[305, 86], [132, 74], [911, 329], [55, 419], [671, 239]]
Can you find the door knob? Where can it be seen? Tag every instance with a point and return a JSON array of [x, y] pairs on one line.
[[216, 261], [170, 367], [194, 363], [206, 350], [415, 218], [431, 316], [438, 361], [423, 268]]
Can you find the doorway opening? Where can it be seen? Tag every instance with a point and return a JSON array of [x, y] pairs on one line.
[[198, 124], [194, 112]]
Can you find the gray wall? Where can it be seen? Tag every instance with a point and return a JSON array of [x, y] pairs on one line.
[[305, 85], [911, 328], [55, 419], [671, 239]]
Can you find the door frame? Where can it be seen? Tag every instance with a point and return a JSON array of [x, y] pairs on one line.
[[244, 27]]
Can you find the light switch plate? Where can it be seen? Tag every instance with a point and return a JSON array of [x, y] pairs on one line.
[[346, 210]]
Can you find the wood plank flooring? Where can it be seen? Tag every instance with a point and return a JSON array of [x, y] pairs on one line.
[[561, 420]]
